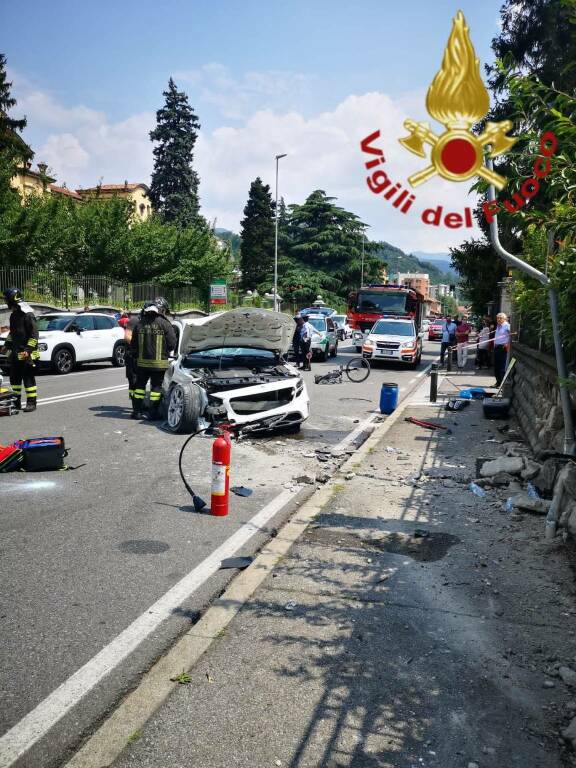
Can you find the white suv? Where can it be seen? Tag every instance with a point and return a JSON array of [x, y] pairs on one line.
[[394, 339], [67, 338]]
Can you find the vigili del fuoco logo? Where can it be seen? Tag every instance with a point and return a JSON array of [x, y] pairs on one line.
[[457, 98]]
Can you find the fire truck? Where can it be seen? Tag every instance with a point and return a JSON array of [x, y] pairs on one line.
[[372, 302]]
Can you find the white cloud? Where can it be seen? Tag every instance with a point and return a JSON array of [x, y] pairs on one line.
[[238, 97], [83, 146]]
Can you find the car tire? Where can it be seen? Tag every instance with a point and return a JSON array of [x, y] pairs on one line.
[[183, 408], [119, 355], [63, 360], [334, 351], [323, 355], [358, 350]]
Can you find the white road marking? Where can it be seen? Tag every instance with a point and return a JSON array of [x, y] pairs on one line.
[[18, 740], [77, 395]]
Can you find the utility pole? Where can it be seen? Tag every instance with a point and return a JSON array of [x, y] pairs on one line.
[[278, 157]]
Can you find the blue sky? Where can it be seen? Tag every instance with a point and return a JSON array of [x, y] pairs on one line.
[[264, 77]]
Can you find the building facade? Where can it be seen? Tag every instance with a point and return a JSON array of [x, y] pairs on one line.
[[418, 281], [135, 193]]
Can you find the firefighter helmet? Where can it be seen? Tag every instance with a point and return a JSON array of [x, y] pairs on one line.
[[13, 296], [162, 305]]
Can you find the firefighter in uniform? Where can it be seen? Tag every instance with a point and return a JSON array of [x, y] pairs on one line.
[[153, 339], [130, 360], [22, 348]]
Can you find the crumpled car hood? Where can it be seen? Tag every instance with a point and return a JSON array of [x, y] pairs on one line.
[[246, 327]]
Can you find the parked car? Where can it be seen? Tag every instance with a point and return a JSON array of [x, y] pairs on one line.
[[68, 338], [435, 330], [394, 339], [325, 342], [231, 366], [343, 330]]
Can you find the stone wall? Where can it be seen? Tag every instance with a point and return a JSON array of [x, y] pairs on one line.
[[536, 399]]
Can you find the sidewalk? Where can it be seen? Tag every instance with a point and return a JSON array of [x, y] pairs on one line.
[[413, 624]]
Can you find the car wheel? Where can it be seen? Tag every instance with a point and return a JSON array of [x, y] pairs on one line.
[[323, 354], [183, 408], [119, 355], [63, 360], [334, 351]]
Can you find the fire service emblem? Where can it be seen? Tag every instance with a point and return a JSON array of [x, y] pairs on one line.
[[458, 98]]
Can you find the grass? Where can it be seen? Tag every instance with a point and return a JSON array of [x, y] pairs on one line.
[[134, 737]]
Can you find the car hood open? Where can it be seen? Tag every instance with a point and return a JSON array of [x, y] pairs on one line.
[[246, 327]]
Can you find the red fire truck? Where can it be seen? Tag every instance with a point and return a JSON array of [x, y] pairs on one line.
[[372, 302]]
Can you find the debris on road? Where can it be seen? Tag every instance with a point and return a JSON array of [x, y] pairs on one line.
[[477, 491], [236, 562], [513, 465], [290, 606], [241, 490]]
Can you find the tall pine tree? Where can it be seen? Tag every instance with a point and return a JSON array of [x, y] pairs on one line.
[[10, 140], [257, 249], [174, 186]]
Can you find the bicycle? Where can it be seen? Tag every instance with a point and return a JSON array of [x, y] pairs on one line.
[[357, 370]]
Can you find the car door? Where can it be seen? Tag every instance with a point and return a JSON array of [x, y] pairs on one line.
[[331, 328], [87, 342], [110, 332]]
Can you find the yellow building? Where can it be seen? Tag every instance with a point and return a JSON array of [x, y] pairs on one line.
[[29, 182], [136, 193]]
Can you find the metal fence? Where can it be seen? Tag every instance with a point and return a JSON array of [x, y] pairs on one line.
[[80, 290]]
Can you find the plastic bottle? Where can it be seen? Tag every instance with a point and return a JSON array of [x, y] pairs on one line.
[[509, 506], [532, 492], [477, 491]]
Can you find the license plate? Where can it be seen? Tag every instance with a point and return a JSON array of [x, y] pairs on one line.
[[386, 352]]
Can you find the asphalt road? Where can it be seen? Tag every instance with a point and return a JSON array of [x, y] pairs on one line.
[[86, 552]]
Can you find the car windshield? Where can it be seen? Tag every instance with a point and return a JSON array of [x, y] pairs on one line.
[[390, 328], [318, 322], [326, 311], [339, 318], [226, 356], [371, 301], [53, 322]]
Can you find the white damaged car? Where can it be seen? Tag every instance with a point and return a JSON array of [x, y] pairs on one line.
[[231, 368]]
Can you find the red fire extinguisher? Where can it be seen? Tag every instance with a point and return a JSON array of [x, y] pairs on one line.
[[221, 450]]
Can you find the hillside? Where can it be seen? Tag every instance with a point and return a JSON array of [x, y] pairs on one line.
[[440, 260], [398, 261]]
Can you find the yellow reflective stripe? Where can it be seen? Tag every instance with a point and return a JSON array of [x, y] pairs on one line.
[[17, 387], [31, 390], [155, 395], [139, 394], [161, 364], [32, 342], [35, 355]]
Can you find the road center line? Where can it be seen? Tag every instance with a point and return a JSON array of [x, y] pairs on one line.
[[76, 395], [18, 740]]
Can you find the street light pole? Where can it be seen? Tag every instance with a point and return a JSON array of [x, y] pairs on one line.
[[362, 275], [278, 157]]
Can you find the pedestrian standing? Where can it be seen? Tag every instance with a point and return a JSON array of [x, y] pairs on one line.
[[302, 342], [153, 339], [130, 364], [22, 348], [483, 352], [448, 338], [501, 346], [462, 339]]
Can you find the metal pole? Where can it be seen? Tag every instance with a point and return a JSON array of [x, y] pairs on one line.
[[569, 445], [434, 382], [362, 276], [278, 157]]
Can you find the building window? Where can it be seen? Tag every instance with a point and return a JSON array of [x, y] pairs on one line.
[[142, 209]]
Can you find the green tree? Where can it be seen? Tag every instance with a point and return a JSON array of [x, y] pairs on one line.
[[174, 186], [10, 127], [328, 239], [257, 248]]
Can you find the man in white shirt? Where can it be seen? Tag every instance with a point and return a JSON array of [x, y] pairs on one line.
[[448, 338], [501, 346]]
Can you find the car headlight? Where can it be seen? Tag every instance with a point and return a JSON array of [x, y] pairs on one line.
[[369, 344], [299, 387], [42, 347], [409, 345]]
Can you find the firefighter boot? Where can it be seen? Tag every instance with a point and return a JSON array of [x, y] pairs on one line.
[[30, 405], [18, 404], [154, 413]]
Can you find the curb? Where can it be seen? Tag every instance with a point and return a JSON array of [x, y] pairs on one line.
[[105, 746]]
